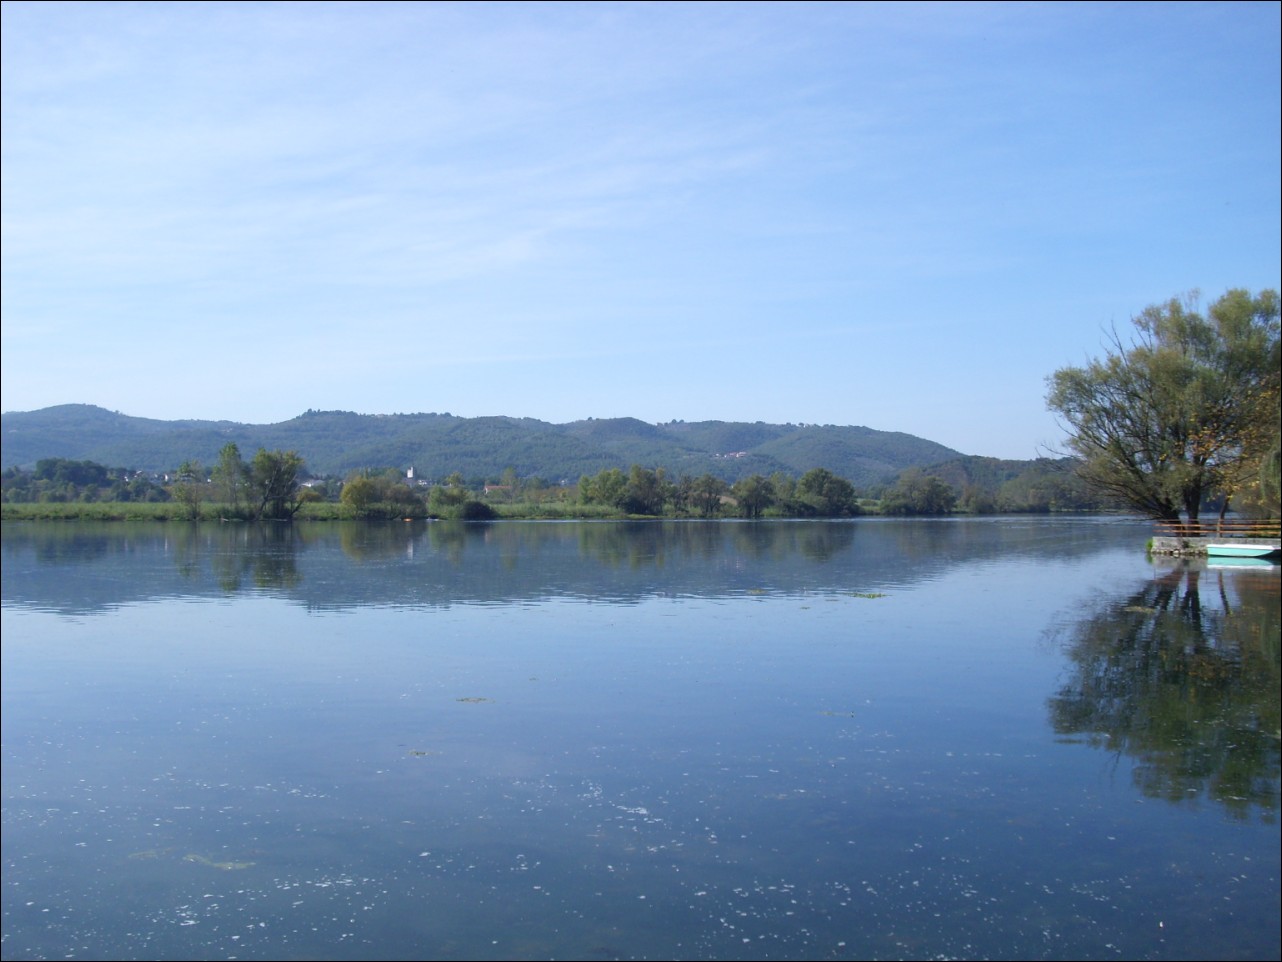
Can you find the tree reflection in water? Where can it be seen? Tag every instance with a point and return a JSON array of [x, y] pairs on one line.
[[1182, 676]]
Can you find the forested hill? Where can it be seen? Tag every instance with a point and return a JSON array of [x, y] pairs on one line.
[[337, 442]]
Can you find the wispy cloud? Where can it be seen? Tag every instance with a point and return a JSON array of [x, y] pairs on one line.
[[556, 184]]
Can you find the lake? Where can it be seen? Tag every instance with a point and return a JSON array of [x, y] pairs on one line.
[[1007, 738]]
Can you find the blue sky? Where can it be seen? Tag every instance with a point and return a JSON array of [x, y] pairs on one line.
[[903, 216]]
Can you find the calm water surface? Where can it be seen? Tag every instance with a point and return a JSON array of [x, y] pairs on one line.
[[998, 738]]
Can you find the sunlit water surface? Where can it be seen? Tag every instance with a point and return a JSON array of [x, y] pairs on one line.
[[998, 738]]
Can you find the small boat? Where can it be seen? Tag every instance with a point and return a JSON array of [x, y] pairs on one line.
[[1242, 550]]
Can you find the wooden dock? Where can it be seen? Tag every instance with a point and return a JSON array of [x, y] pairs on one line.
[[1190, 538]]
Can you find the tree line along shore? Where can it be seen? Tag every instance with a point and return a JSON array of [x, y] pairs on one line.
[[274, 486]]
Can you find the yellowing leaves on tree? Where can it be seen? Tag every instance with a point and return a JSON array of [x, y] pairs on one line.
[[1185, 413]]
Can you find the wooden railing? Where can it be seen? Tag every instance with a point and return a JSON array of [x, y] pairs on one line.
[[1228, 528]]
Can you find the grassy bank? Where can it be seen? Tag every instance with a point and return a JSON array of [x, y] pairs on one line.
[[95, 511], [327, 511], [315, 511], [144, 511]]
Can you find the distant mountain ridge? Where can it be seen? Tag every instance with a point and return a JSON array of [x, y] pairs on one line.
[[337, 442]]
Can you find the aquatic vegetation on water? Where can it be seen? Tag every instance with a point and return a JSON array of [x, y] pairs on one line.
[[155, 854], [221, 866]]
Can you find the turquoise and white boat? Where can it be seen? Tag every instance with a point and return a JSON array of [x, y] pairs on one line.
[[1241, 550]]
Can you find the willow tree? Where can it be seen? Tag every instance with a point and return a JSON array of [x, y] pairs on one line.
[[1183, 412], [274, 486], [231, 478]]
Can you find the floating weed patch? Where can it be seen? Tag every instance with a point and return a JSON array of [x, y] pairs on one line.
[[867, 594], [221, 866]]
